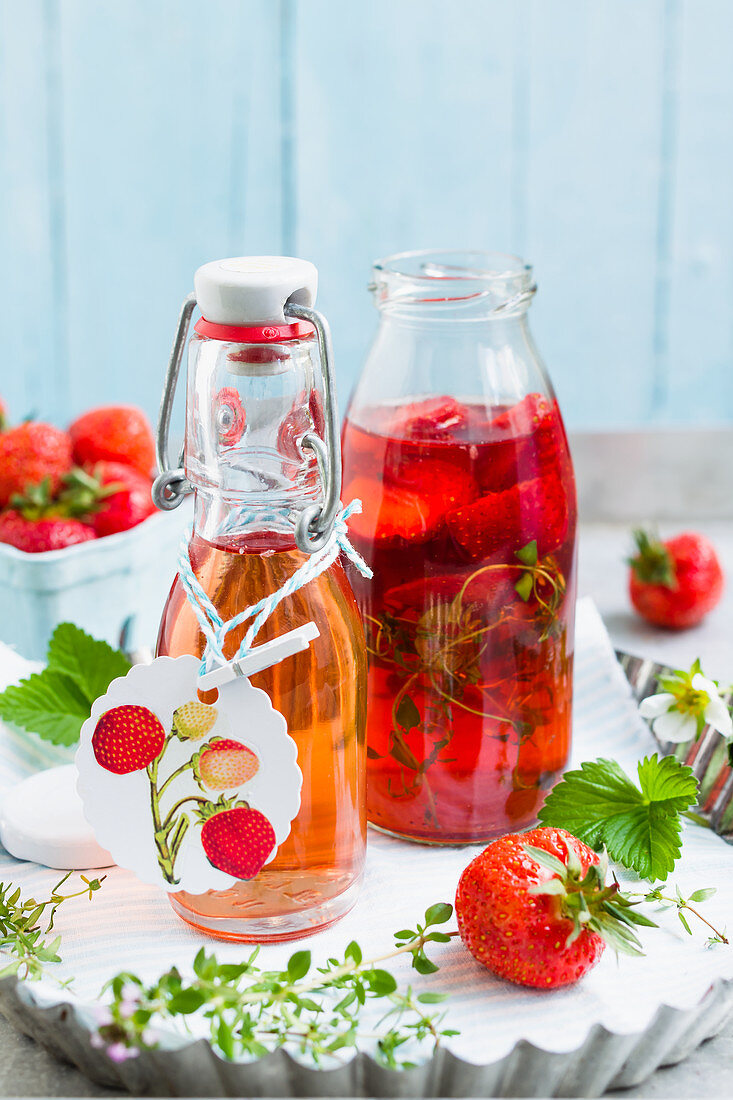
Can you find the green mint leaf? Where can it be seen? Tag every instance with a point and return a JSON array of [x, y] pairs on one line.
[[640, 828], [47, 703], [92, 665], [528, 554]]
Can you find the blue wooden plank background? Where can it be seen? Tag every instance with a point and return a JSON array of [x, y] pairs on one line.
[[141, 138]]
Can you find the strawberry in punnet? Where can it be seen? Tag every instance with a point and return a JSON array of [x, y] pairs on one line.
[[113, 497], [30, 453], [36, 536], [531, 510], [127, 739], [237, 840], [674, 583], [223, 765], [534, 908], [193, 720], [36, 522], [114, 433]]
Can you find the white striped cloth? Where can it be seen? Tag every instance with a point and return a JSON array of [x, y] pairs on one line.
[[130, 926]]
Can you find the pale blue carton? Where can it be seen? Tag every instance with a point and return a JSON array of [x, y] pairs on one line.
[[98, 585]]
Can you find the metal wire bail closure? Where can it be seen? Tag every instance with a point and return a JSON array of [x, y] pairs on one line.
[[170, 486], [314, 525]]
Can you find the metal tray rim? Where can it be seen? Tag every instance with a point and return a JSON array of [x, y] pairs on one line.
[[605, 1059]]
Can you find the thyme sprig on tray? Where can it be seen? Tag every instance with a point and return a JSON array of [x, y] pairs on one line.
[[682, 904], [23, 937], [313, 1011]]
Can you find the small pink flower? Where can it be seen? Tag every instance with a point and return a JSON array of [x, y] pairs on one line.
[[118, 1052]]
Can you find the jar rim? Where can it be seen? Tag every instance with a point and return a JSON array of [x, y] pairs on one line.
[[414, 264], [474, 282]]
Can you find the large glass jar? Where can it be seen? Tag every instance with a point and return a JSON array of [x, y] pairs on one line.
[[454, 443]]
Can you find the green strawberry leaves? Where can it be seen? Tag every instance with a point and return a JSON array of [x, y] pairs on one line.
[[639, 826], [47, 703], [652, 563], [55, 703], [92, 665]]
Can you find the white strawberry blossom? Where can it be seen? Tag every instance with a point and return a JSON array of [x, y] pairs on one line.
[[689, 702]]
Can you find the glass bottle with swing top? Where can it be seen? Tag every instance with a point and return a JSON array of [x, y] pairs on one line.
[[262, 457]]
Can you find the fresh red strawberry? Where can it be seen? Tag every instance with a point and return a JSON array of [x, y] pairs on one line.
[[238, 841], [229, 415], [117, 433], [535, 509], [127, 739], [127, 507], [35, 536], [30, 453], [674, 583], [113, 497], [223, 765], [517, 921]]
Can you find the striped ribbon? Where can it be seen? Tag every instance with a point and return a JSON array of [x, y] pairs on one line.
[[215, 629]]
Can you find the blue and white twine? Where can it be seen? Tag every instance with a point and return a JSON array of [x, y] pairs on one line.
[[213, 626]]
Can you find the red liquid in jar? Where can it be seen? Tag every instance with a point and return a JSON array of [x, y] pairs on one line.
[[470, 635]]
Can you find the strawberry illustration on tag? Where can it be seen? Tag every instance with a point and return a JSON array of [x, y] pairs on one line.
[[189, 795], [237, 840]]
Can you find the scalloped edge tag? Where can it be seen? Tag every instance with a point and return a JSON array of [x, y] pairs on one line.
[[188, 795]]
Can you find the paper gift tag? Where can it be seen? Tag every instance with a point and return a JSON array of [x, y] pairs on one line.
[[189, 795]]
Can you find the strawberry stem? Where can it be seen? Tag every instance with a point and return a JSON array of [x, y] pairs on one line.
[[171, 813], [166, 859], [179, 771]]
